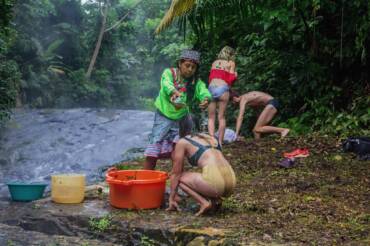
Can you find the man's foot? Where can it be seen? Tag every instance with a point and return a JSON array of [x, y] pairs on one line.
[[204, 207], [284, 133]]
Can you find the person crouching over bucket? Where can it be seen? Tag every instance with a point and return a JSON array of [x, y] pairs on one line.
[[180, 87], [217, 179]]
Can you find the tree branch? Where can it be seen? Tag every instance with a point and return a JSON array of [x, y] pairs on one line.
[[124, 17]]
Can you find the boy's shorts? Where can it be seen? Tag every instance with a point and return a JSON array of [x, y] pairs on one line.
[[165, 133]]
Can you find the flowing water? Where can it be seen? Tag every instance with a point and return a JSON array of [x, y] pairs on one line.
[[35, 144]]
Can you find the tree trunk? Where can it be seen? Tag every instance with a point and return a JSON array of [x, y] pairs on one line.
[[98, 43]]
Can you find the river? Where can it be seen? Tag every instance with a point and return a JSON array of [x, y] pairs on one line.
[[35, 144]]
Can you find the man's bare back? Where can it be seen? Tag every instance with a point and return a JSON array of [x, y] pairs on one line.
[[255, 99]]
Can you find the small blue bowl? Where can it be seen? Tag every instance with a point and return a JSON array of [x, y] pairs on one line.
[[25, 192]]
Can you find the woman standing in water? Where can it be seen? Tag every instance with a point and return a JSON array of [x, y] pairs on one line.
[[221, 78], [216, 180], [179, 88]]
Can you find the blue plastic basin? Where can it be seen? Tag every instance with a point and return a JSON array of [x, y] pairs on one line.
[[25, 192]]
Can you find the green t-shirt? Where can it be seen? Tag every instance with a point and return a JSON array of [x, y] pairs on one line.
[[163, 102]]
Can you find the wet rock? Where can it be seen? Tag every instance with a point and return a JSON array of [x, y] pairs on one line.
[[216, 242], [209, 231], [14, 235], [198, 241]]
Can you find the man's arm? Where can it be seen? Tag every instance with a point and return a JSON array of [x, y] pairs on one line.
[[239, 120]]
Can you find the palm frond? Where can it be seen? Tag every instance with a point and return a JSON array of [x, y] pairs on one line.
[[177, 8]]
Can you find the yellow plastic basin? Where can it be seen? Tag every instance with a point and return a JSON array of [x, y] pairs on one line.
[[68, 188]]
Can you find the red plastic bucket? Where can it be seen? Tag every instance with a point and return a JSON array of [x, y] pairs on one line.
[[136, 189]]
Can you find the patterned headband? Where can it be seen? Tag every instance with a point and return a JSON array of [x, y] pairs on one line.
[[190, 55]]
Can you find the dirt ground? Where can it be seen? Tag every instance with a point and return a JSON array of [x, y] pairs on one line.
[[323, 200]]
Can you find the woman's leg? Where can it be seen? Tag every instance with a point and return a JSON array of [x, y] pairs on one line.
[[211, 118], [261, 126], [224, 99], [195, 186]]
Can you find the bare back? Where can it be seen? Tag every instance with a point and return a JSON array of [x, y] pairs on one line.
[[225, 65], [210, 156], [256, 99]]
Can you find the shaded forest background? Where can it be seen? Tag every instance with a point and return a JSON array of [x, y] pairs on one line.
[[313, 55]]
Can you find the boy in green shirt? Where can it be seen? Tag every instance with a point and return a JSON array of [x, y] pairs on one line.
[[179, 88]]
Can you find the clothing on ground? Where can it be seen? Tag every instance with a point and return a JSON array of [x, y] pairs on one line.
[[229, 136]]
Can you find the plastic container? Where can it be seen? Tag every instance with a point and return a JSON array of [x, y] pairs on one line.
[[180, 101], [136, 189], [25, 192], [68, 188]]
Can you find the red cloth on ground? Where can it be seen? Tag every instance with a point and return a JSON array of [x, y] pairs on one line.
[[226, 76]]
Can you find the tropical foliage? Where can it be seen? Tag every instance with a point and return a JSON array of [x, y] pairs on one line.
[[9, 73], [313, 55], [53, 44]]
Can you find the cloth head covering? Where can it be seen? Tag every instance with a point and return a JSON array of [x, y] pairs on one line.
[[190, 55]]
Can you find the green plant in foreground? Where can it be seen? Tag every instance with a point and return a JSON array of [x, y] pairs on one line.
[[146, 241], [100, 224]]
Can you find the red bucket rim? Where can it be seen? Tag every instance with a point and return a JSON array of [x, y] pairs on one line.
[[112, 180]]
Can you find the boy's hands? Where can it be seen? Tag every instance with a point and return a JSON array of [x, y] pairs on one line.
[[204, 104], [175, 95]]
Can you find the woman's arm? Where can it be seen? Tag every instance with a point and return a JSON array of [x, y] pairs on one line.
[[177, 169], [232, 66]]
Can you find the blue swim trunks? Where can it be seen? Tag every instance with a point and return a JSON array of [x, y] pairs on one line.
[[218, 91]]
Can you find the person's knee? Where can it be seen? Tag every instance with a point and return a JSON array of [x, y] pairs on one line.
[[211, 115], [256, 129], [186, 180]]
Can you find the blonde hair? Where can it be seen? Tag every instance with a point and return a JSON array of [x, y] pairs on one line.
[[227, 53]]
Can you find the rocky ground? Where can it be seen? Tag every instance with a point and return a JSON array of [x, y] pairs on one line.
[[322, 200]]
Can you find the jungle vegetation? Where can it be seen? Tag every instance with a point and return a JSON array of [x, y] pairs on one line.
[[313, 55]]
